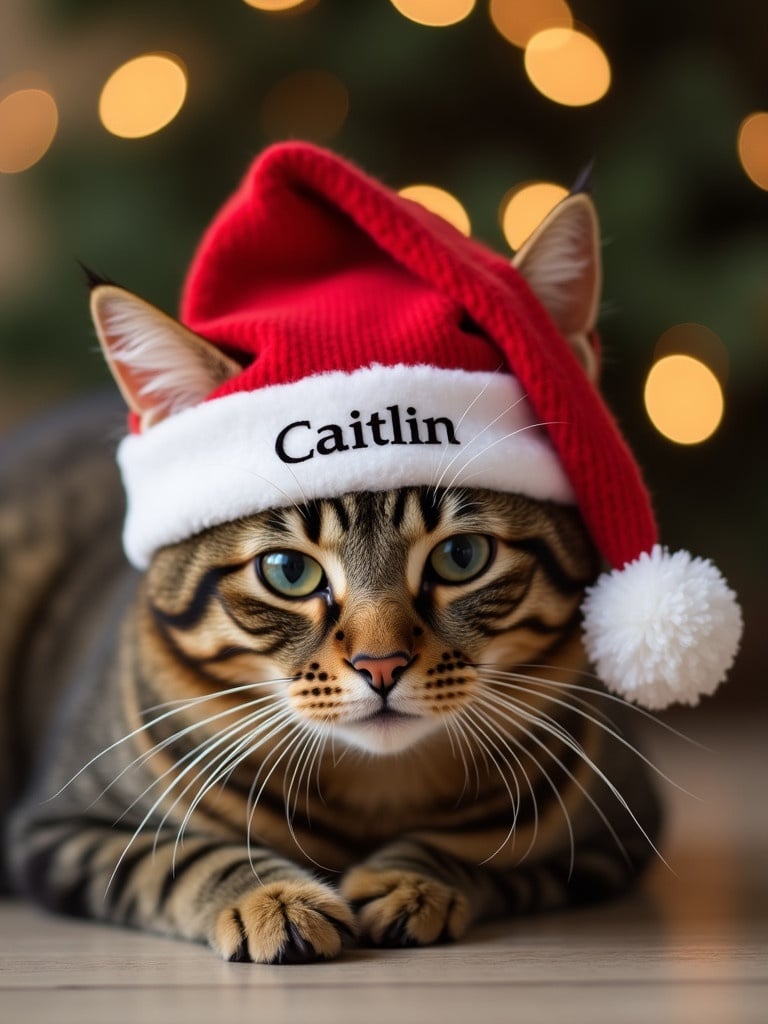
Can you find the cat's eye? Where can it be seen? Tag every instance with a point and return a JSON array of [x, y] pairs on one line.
[[291, 573], [459, 559]]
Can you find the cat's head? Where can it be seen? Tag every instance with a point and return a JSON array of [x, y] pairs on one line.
[[341, 340], [379, 611]]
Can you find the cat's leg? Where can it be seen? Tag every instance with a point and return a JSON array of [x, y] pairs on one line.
[[253, 905], [411, 894]]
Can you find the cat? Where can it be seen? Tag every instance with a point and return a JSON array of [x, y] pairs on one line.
[[359, 719]]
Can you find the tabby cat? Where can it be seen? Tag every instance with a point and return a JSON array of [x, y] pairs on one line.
[[361, 719]]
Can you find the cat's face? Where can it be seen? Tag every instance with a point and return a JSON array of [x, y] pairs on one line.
[[376, 617]]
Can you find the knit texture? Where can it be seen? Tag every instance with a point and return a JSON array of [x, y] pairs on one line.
[[313, 267]]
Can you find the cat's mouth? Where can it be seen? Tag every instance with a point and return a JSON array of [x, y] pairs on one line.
[[388, 715], [386, 731]]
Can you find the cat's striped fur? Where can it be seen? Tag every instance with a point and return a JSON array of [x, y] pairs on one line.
[[222, 697], [397, 753]]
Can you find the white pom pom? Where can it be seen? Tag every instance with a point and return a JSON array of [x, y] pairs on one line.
[[664, 628]]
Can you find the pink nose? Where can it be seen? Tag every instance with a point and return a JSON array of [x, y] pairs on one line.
[[381, 673]]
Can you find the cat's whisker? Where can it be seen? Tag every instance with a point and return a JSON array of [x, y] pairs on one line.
[[506, 739], [292, 736], [143, 758], [221, 765], [490, 679], [289, 501], [190, 702], [530, 734], [603, 694], [450, 726], [231, 757], [328, 735], [209, 742], [303, 761], [531, 790], [609, 729], [504, 676], [300, 754], [459, 422], [236, 754], [140, 828], [461, 471], [480, 736], [477, 435], [305, 501], [523, 711], [182, 705], [314, 768]]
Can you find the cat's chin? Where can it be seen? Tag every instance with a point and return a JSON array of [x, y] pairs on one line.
[[389, 733]]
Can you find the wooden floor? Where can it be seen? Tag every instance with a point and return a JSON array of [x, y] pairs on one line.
[[691, 946]]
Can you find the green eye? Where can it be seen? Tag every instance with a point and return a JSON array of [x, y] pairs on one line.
[[290, 573], [461, 558]]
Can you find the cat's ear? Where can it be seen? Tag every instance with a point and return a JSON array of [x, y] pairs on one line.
[[561, 263], [160, 366]]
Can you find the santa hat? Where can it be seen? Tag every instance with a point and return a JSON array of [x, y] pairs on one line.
[[381, 348]]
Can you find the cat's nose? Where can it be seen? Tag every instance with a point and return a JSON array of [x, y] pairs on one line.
[[381, 673]]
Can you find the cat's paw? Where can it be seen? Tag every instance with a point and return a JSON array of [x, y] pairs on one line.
[[402, 908], [293, 922]]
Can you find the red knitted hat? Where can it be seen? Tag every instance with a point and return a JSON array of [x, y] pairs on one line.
[[380, 348]]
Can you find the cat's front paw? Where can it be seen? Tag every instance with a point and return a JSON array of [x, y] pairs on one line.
[[402, 908], [293, 922]]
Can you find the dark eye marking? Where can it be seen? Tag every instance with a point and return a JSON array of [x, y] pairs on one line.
[[547, 560], [207, 586]]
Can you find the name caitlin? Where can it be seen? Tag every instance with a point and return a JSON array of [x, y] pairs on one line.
[[300, 440]]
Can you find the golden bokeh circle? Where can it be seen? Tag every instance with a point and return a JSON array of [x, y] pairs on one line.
[[683, 399], [525, 206], [519, 20], [143, 95], [435, 13], [752, 147], [275, 6], [567, 66], [438, 201], [29, 120]]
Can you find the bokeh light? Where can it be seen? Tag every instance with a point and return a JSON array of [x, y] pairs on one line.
[[277, 6], [525, 206], [436, 13], [28, 122], [311, 105], [519, 20], [567, 67], [753, 147], [698, 341], [438, 201], [143, 95], [683, 399]]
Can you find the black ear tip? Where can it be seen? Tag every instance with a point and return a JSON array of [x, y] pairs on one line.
[[583, 182], [92, 279]]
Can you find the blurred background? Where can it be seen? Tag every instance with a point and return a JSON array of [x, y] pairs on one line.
[[124, 126]]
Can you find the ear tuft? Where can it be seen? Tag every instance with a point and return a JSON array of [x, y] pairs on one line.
[[160, 366], [583, 182], [561, 263], [92, 279]]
